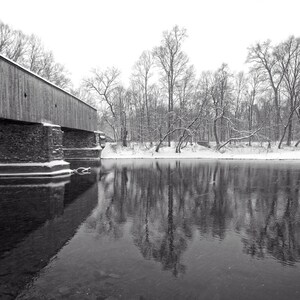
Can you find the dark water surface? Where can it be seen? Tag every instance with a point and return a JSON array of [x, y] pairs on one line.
[[139, 229]]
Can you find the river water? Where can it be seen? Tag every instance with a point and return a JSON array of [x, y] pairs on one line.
[[154, 229]]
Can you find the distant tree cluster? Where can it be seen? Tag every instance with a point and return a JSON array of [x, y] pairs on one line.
[[28, 51], [166, 101]]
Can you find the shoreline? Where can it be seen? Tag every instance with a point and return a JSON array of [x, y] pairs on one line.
[[253, 153], [203, 158]]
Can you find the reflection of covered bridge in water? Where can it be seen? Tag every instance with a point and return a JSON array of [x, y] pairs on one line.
[[41, 125], [38, 217]]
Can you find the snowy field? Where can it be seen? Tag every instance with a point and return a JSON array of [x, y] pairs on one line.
[[240, 152]]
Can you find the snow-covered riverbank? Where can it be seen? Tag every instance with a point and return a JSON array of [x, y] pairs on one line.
[[241, 152]]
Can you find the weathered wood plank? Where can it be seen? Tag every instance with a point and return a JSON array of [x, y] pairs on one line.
[[24, 96]]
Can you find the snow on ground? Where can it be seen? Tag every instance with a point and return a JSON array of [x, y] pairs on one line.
[[239, 152]]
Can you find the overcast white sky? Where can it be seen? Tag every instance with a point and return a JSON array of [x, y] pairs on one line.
[[90, 33]]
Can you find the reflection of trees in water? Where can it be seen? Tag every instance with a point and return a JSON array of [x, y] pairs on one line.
[[212, 206], [168, 203], [158, 231], [112, 215], [273, 225]]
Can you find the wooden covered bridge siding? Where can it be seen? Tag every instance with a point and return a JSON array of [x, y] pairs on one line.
[[27, 97], [42, 123]]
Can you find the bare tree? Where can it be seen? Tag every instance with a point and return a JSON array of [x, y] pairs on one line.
[[55, 72], [240, 83], [5, 37], [29, 52], [35, 55], [194, 121], [172, 61], [288, 55], [103, 85], [253, 90], [239, 138], [141, 76], [263, 59], [185, 89], [219, 92], [18, 46], [122, 99]]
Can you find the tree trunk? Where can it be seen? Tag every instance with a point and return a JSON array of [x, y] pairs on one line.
[[298, 142], [124, 133], [222, 137], [277, 116], [250, 123], [216, 133], [286, 126], [289, 137], [148, 112]]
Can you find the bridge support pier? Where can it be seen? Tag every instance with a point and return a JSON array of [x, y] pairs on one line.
[[31, 150], [82, 145]]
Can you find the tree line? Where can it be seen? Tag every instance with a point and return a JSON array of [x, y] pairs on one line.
[[166, 101]]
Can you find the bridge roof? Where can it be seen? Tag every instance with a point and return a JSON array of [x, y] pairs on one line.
[[26, 96]]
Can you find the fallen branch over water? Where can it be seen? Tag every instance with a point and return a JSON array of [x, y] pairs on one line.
[[237, 139]]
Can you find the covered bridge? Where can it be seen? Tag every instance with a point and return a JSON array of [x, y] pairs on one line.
[[42, 126]]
